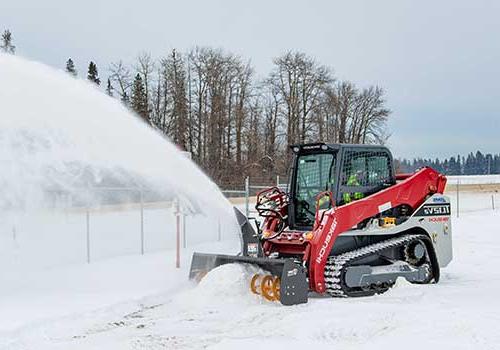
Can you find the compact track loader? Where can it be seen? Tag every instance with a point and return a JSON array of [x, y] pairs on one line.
[[348, 226]]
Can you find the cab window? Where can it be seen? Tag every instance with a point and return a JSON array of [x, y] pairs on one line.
[[315, 174], [363, 173]]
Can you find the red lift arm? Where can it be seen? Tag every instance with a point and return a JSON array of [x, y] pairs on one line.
[[412, 191]]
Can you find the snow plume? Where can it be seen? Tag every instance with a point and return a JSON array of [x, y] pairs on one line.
[[59, 134]]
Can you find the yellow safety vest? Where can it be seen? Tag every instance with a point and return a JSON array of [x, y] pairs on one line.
[[352, 181]]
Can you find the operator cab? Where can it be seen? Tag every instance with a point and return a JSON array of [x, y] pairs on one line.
[[350, 172]]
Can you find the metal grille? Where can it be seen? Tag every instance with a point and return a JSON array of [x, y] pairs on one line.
[[366, 168], [315, 171]]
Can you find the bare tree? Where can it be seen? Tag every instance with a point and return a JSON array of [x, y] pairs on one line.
[[353, 116], [120, 75], [271, 106], [300, 81], [374, 116], [208, 102], [243, 94]]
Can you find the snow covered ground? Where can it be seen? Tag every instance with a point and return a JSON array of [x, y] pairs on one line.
[[139, 302]]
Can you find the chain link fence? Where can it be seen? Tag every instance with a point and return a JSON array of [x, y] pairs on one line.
[[476, 193], [245, 195], [111, 222], [134, 221]]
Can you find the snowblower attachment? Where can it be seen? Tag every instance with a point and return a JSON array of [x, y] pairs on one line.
[[286, 281]]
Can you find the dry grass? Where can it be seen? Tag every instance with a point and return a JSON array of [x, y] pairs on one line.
[[452, 188]]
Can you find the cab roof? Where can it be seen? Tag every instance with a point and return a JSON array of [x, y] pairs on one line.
[[321, 146]]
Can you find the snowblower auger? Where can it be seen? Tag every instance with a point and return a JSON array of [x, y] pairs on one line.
[[292, 282], [348, 227], [266, 285], [286, 274]]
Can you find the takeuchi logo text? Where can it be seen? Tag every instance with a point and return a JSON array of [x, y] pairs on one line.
[[326, 243]]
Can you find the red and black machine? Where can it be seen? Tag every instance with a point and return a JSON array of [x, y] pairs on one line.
[[347, 225]]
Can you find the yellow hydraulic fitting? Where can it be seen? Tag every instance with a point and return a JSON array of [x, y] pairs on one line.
[[388, 222], [308, 235]]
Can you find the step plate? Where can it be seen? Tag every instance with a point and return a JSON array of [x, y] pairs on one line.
[[365, 276]]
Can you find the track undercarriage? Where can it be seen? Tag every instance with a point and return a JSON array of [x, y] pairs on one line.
[[354, 273]]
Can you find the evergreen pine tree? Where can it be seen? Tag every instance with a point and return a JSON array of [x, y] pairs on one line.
[[446, 166], [109, 88], [139, 100], [480, 164], [488, 161], [437, 165], [70, 67], [6, 44], [176, 80], [92, 74], [469, 165], [496, 164], [454, 167]]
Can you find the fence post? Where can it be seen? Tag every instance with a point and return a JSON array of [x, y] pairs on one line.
[[177, 234], [219, 233], [88, 234], [458, 198], [247, 196], [184, 238], [493, 201], [142, 222]]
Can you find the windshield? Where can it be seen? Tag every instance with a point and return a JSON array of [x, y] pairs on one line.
[[315, 174]]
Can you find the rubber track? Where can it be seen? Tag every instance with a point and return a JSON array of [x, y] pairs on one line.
[[336, 265]]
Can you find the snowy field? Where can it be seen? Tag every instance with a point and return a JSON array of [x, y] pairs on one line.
[[143, 302]]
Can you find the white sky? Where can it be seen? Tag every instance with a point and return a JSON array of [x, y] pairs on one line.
[[437, 60]]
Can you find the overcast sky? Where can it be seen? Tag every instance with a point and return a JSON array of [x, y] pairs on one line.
[[439, 61]]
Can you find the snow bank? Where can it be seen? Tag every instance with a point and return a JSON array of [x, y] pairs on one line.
[[226, 284]]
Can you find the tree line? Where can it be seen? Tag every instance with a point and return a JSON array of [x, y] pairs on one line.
[[473, 164], [210, 103], [236, 123]]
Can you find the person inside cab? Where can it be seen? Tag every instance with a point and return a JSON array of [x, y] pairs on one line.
[[354, 180]]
